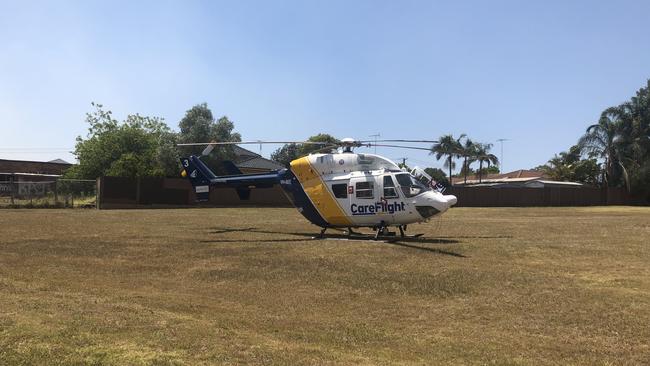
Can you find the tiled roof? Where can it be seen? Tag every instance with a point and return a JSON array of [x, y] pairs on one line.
[[248, 159], [517, 175], [259, 163], [58, 161]]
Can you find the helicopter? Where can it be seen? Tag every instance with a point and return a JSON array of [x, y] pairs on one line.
[[335, 187]]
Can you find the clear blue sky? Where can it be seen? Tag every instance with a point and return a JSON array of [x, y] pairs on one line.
[[534, 72]]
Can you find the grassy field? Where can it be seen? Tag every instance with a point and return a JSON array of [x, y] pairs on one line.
[[246, 286]]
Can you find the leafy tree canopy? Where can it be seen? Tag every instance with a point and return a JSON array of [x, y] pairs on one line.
[[288, 152], [449, 148], [136, 147], [614, 151], [492, 169], [199, 125], [438, 175], [569, 166]]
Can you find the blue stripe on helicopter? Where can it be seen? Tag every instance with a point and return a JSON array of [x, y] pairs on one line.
[[300, 200]]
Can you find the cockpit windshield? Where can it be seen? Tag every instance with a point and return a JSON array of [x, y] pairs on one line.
[[410, 186]]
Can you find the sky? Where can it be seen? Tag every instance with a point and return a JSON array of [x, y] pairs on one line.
[[534, 72]]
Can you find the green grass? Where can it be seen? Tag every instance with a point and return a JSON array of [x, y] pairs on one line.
[[513, 286]]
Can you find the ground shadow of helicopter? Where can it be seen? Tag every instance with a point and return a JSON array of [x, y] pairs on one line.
[[406, 242]]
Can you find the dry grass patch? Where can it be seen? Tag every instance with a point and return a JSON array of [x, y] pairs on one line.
[[247, 286]]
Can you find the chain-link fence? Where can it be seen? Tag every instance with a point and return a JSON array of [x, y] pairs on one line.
[[63, 193]]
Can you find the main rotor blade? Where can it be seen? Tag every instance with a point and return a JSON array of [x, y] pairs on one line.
[[208, 149], [324, 149], [423, 141], [253, 143], [400, 147]]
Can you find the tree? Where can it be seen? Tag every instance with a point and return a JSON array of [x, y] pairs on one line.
[[606, 140], [306, 149], [634, 134], [447, 147], [468, 152], [483, 155], [570, 166], [286, 154], [402, 165], [198, 125], [289, 152], [492, 169], [438, 175], [620, 140], [137, 147]]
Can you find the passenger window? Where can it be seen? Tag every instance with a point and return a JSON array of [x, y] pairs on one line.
[[389, 187], [364, 190], [340, 190]]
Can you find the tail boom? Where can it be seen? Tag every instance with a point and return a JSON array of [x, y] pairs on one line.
[[202, 178]]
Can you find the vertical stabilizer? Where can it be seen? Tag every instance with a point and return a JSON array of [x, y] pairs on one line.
[[199, 175]]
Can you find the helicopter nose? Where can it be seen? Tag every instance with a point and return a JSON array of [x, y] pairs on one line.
[[451, 199], [434, 203]]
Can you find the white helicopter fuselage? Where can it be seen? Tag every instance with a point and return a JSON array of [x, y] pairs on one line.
[[357, 190]]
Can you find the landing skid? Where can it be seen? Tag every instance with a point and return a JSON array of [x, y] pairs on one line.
[[381, 234], [384, 239]]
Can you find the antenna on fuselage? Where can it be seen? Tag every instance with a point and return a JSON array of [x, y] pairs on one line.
[[375, 136]]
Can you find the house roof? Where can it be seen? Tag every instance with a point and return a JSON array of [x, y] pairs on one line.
[[59, 161], [34, 167], [248, 159], [559, 183], [520, 175]]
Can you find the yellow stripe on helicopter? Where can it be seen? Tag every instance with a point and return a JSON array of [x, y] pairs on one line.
[[318, 193]]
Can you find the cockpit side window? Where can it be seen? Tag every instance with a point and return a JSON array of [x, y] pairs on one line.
[[389, 187], [409, 185]]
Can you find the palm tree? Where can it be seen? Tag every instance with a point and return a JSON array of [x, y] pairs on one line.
[[468, 152], [621, 139], [450, 147], [483, 156], [607, 140]]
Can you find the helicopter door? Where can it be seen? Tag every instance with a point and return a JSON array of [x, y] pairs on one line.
[[364, 200], [390, 198]]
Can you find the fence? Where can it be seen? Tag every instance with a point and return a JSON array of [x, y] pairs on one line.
[[548, 196], [62, 193], [116, 192]]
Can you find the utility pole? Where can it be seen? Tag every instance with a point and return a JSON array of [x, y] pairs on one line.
[[403, 162], [501, 158], [375, 136]]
